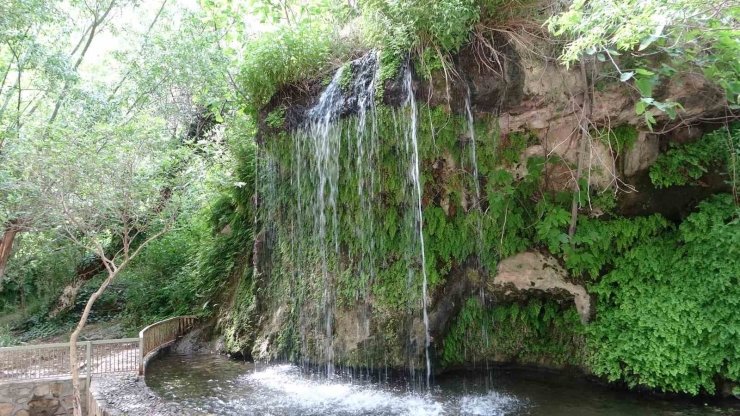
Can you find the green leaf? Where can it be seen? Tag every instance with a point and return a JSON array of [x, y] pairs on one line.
[[625, 76], [646, 42], [640, 107], [644, 86]]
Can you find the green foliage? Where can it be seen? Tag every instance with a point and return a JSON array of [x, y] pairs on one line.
[[158, 284], [667, 313], [551, 225], [619, 138], [684, 164], [517, 142], [276, 118], [399, 26], [345, 81], [598, 243], [534, 332], [7, 339], [681, 31], [239, 323]]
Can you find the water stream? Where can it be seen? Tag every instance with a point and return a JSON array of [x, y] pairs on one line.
[[412, 138], [214, 384]]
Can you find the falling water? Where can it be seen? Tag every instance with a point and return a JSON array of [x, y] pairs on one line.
[[474, 160], [326, 155], [325, 136], [323, 133], [366, 141], [411, 137]]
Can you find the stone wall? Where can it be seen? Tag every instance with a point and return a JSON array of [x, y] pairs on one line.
[[36, 398]]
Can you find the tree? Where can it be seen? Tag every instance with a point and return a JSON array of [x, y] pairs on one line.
[[42, 47], [109, 189], [101, 158], [661, 39]]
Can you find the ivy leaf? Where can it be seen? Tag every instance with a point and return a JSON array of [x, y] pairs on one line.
[[650, 120], [671, 112]]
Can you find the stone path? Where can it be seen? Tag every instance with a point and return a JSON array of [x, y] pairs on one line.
[[129, 395]]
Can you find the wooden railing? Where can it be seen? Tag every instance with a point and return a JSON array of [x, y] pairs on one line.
[[31, 362], [161, 334]]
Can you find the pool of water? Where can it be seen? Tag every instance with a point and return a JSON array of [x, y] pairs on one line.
[[215, 384]]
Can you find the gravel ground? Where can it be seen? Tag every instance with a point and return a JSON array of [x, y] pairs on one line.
[[129, 395]]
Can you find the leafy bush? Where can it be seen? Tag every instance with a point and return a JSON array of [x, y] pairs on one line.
[[399, 26], [667, 314], [285, 56]]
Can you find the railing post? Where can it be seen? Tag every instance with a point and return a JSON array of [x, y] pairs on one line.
[[88, 363], [141, 353]]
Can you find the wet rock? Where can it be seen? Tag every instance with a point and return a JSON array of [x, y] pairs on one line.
[[643, 153], [529, 272]]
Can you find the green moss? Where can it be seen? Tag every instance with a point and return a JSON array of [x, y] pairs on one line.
[[389, 65], [619, 138]]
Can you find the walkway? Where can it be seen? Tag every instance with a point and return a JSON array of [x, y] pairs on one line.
[[129, 395]]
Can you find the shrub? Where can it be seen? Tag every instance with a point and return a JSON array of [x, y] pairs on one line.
[[667, 314], [285, 56]]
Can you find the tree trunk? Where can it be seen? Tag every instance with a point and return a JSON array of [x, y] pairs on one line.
[[584, 137], [84, 273], [73, 342], [6, 246]]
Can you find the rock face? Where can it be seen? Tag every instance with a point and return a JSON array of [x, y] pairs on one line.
[[533, 272], [643, 153], [341, 280]]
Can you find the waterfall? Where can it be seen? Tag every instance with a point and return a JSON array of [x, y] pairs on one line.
[[327, 191], [316, 164], [324, 136], [366, 142], [412, 139], [474, 160]]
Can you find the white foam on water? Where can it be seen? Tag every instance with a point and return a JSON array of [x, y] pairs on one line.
[[491, 404], [283, 388]]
